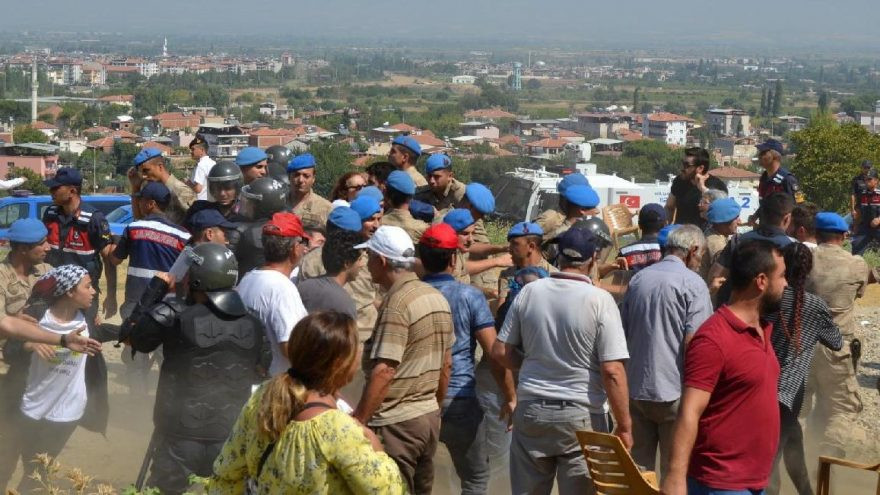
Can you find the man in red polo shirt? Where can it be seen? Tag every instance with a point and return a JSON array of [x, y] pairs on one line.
[[728, 421]]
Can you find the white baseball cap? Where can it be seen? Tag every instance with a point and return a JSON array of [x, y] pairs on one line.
[[392, 243]]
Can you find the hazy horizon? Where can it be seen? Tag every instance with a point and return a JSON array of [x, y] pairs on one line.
[[750, 24]]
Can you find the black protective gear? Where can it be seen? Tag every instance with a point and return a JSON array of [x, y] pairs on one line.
[[222, 173], [249, 247], [263, 197], [279, 154], [278, 172], [213, 268], [155, 291], [597, 227], [227, 302]]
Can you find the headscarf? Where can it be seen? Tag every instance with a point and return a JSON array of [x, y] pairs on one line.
[[59, 281]]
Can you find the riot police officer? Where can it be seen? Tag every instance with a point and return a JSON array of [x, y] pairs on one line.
[[212, 352], [224, 184], [260, 199], [279, 156]]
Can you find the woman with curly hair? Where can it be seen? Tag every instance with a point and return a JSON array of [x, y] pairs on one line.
[[292, 437], [348, 186], [802, 321]]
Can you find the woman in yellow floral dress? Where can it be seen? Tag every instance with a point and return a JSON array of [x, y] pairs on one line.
[[290, 438]]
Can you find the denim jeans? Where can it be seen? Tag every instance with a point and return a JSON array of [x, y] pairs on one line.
[[545, 448], [493, 431], [697, 488], [461, 418]]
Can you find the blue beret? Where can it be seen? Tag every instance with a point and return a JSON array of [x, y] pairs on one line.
[[664, 234], [723, 210], [250, 156], [575, 179], [345, 218], [437, 162], [480, 197], [421, 211], [580, 195], [301, 162], [828, 221], [401, 181], [146, 154], [65, 176], [408, 143], [372, 192], [524, 228], [209, 217], [771, 144], [366, 206], [27, 231], [459, 219], [155, 191]]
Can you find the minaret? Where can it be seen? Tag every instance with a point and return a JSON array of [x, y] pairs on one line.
[[34, 91], [165, 48]]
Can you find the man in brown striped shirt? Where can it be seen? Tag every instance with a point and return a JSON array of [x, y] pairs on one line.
[[407, 359]]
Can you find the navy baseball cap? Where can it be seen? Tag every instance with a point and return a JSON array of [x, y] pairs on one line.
[[771, 144], [436, 162], [421, 210], [301, 162], [144, 155], [577, 244], [575, 179], [871, 174], [480, 197], [652, 213], [65, 176], [27, 231], [583, 196], [723, 210], [155, 191], [459, 219], [401, 181], [523, 229], [250, 156], [208, 218], [408, 143], [345, 218], [827, 221]]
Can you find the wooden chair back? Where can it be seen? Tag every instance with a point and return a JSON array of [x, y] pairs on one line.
[[612, 469], [823, 481]]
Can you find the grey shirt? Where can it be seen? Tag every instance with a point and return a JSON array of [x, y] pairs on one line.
[[566, 328], [324, 294], [664, 303]]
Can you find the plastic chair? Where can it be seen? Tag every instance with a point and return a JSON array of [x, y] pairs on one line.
[[612, 469], [620, 221], [823, 482]]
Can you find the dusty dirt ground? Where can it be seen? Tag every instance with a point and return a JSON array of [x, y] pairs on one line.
[[116, 458]]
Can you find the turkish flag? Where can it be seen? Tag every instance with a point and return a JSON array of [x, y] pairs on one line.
[[630, 200]]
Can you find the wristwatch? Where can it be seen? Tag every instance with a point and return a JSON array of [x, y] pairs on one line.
[[63, 342]]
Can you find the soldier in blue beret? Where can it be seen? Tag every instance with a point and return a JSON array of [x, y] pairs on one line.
[[400, 189], [150, 166], [253, 163], [444, 191], [27, 256], [550, 220], [303, 200], [405, 152]]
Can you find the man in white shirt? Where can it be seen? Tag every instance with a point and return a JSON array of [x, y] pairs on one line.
[[268, 292], [565, 337], [198, 149]]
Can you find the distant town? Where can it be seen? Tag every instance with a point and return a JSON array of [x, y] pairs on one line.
[[95, 110]]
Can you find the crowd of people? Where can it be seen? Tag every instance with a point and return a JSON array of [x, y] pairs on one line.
[[311, 345]]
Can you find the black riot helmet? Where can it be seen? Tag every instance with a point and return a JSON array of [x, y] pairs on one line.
[[222, 175], [278, 171], [263, 197], [214, 268], [598, 228], [279, 154]]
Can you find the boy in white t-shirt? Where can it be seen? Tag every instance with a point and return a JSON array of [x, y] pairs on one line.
[[55, 395]]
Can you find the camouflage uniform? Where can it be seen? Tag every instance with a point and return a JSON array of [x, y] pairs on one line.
[[508, 273], [451, 197], [549, 221], [418, 178], [182, 197], [839, 278], [313, 210], [404, 219]]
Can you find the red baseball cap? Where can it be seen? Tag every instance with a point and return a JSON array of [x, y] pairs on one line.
[[441, 236], [285, 224]]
